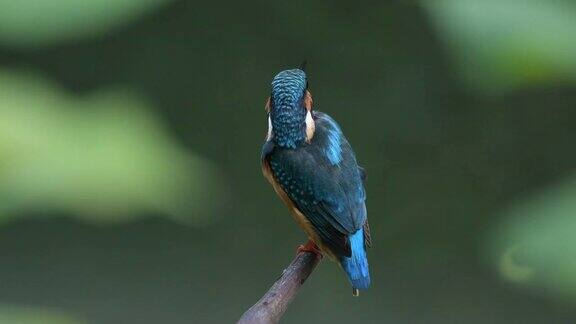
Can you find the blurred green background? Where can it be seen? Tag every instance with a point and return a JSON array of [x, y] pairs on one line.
[[130, 134]]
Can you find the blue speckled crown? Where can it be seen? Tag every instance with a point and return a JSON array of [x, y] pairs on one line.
[[288, 86], [287, 114]]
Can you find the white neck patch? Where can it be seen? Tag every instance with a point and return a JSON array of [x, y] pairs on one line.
[[310, 126], [269, 136]]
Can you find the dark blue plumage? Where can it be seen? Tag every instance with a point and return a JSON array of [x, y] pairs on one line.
[[313, 167]]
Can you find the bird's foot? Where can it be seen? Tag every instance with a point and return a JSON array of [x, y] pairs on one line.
[[309, 247]]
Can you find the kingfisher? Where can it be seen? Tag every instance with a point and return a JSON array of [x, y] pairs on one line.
[[314, 171]]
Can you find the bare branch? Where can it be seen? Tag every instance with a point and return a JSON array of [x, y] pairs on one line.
[[271, 307]]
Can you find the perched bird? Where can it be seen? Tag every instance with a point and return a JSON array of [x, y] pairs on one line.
[[313, 169]]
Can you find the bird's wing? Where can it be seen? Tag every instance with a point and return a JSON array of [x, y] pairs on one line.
[[325, 184], [367, 236]]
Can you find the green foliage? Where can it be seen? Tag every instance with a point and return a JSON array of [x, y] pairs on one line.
[[104, 157], [503, 44], [535, 245], [39, 22], [34, 315]]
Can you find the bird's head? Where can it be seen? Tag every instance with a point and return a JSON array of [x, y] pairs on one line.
[[289, 108]]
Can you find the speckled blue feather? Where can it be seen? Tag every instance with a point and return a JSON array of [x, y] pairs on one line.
[[287, 113], [333, 150]]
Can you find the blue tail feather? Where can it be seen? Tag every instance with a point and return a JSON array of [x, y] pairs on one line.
[[356, 266]]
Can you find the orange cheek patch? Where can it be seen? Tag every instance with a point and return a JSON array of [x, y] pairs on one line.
[[308, 100], [267, 106]]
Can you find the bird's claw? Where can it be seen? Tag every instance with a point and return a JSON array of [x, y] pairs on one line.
[[309, 247]]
